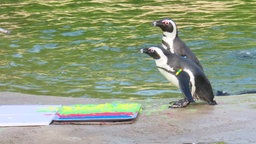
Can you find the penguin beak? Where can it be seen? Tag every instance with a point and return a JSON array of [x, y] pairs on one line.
[[142, 50], [151, 52], [156, 23]]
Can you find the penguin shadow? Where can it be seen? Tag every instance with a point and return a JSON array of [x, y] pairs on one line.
[[218, 142], [224, 93], [195, 107]]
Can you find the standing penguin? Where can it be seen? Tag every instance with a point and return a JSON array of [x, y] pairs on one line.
[[171, 41], [184, 74]]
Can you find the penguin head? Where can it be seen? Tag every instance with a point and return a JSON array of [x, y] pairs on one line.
[[167, 25], [154, 52]]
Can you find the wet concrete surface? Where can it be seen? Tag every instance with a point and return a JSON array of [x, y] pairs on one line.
[[231, 121]]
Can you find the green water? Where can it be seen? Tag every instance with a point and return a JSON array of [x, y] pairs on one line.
[[90, 48]]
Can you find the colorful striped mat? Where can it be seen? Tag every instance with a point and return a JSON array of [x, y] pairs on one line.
[[98, 112]]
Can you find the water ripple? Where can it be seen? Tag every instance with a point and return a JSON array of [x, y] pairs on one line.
[[90, 48], [73, 33]]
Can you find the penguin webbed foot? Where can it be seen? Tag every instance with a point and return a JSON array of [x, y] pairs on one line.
[[212, 102], [180, 103]]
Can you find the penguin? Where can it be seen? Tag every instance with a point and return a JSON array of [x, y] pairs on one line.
[[172, 42], [184, 74]]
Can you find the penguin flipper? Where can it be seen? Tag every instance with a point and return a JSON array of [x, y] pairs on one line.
[[184, 81]]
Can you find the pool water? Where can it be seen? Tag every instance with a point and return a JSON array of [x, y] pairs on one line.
[[91, 48]]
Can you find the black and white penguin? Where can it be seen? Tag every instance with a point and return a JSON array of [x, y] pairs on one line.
[[171, 41], [184, 74]]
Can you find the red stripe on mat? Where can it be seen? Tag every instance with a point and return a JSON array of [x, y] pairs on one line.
[[97, 114]]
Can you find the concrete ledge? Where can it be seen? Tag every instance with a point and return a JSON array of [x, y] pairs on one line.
[[231, 121]]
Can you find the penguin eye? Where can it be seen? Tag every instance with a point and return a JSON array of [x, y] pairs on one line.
[[165, 22], [151, 50]]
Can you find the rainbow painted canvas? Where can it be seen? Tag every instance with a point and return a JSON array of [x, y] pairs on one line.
[[98, 112], [31, 115]]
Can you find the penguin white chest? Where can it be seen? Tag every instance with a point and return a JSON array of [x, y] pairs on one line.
[[166, 70], [169, 43], [170, 77], [168, 40]]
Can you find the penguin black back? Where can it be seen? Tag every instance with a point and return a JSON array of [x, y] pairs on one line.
[[172, 42]]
